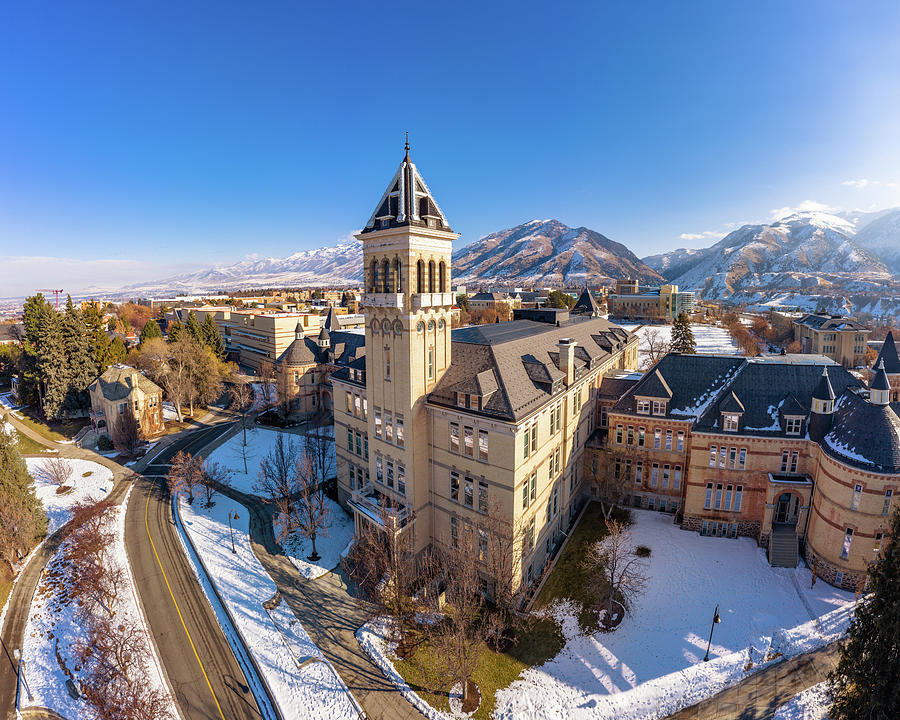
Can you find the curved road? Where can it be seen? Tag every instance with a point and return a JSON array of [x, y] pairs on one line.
[[202, 670]]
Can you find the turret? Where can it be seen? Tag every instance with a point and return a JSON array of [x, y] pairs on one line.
[[324, 339], [880, 386], [823, 395]]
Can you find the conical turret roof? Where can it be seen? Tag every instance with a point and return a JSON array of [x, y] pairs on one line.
[[823, 390]]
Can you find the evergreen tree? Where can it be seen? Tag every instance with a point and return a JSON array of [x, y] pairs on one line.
[[99, 340], [117, 351], [865, 682], [22, 518], [212, 338], [560, 300], [176, 331], [682, 336], [151, 330], [193, 327], [45, 370], [82, 370]]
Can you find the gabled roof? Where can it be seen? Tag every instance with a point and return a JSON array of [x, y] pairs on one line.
[[790, 406], [731, 404], [888, 356], [490, 296], [119, 380], [407, 202], [654, 386]]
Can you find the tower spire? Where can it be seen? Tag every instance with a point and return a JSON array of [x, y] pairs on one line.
[[406, 148]]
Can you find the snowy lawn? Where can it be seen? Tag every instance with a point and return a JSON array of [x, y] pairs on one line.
[[709, 338], [330, 544], [260, 441], [652, 664], [277, 641], [94, 486], [811, 704], [52, 626]]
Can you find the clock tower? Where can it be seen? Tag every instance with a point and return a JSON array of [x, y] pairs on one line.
[[407, 244]]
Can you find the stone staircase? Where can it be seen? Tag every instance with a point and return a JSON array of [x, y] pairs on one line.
[[783, 547]]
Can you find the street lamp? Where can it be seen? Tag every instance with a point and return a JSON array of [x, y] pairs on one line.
[[232, 514], [20, 676], [716, 619]]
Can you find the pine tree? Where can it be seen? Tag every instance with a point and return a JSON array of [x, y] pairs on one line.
[[176, 331], [82, 370], [864, 684], [193, 327], [117, 351], [212, 338], [682, 336], [150, 330], [22, 518], [45, 368], [99, 340]]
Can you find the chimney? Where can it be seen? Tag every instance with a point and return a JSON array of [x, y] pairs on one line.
[[567, 359]]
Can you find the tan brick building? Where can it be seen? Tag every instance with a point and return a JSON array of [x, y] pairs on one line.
[[841, 338], [793, 452], [122, 389], [443, 426]]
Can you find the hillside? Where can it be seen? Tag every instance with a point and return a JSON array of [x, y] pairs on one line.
[[547, 252]]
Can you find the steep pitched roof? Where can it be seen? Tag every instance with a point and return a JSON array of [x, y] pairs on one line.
[[823, 390], [837, 323], [865, 435], [119, 380], [731, 404], [586, 304], [654, 386], [406, 202], [888, 356], [880, 381]]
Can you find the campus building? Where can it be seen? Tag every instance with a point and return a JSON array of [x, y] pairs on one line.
[[648, 304], [446, 426], [122, 389], [842, 339], [793, 451]]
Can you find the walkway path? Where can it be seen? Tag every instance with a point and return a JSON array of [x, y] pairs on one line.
[[330, 614], [761, 694]]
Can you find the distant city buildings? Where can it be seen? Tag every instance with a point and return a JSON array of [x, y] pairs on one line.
[[631, 301]]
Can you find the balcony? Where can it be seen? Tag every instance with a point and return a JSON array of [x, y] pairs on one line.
[[377, 506], [427, 300], [383, 300]]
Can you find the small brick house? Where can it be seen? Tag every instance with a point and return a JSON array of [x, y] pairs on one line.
[[123, 389]]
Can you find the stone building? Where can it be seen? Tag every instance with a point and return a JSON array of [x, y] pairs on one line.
[[444, 426], [842, 339], [648, 304], [123, 389], [793, 451]]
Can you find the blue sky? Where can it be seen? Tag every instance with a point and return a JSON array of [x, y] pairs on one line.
[[142, 138]]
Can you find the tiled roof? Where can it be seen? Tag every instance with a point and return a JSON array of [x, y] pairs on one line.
[[888, 355], [114, 383], [865, 435]]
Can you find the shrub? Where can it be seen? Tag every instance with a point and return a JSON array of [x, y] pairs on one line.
[[105, 444], [642, 551]]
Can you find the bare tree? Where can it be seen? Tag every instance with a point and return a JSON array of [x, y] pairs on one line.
[[613, 477], [616, 573], [657, 346], [382, 563], [214, 477], [185, 474], [266, 384], [56, 470], [458, 635], [500, 551], [304, 509], [319, 448], [276, 473], [126, 433], [242, 400]]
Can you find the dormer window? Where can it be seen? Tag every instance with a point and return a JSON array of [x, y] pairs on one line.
[[730, 422], [643, 407], [659, 407], [793, 425]]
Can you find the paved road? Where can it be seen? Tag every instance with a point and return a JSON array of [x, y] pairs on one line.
[[202, 670], [761, 694]]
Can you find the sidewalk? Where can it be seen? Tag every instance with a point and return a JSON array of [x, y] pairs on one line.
[[761, 694]]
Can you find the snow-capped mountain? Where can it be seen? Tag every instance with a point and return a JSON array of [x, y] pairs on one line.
[[547, 252], [881, 236], [336, 265], [809, 254]]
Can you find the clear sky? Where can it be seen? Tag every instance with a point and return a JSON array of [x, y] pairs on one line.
[[141, 138]]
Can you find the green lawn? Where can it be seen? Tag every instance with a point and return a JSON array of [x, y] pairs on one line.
[[495, 671], [56, 431], [28, 446], [568, 579]]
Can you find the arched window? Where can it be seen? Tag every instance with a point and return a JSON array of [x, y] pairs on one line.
[[397, 275], [386, 276], [442, 277], [420, 276], [373, 282], [431, 277]]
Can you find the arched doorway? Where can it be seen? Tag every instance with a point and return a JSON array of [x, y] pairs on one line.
[[787, 508]]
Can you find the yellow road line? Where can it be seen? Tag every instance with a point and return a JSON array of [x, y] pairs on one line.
[[190, 639]]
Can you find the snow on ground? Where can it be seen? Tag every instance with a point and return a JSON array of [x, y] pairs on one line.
[[7, 401], [652, 664], [330, 545], [277, 640], [811, 704], [52, 626], [260, 441], [169, 411], [709, 338], [95, 487], [259, 401]]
